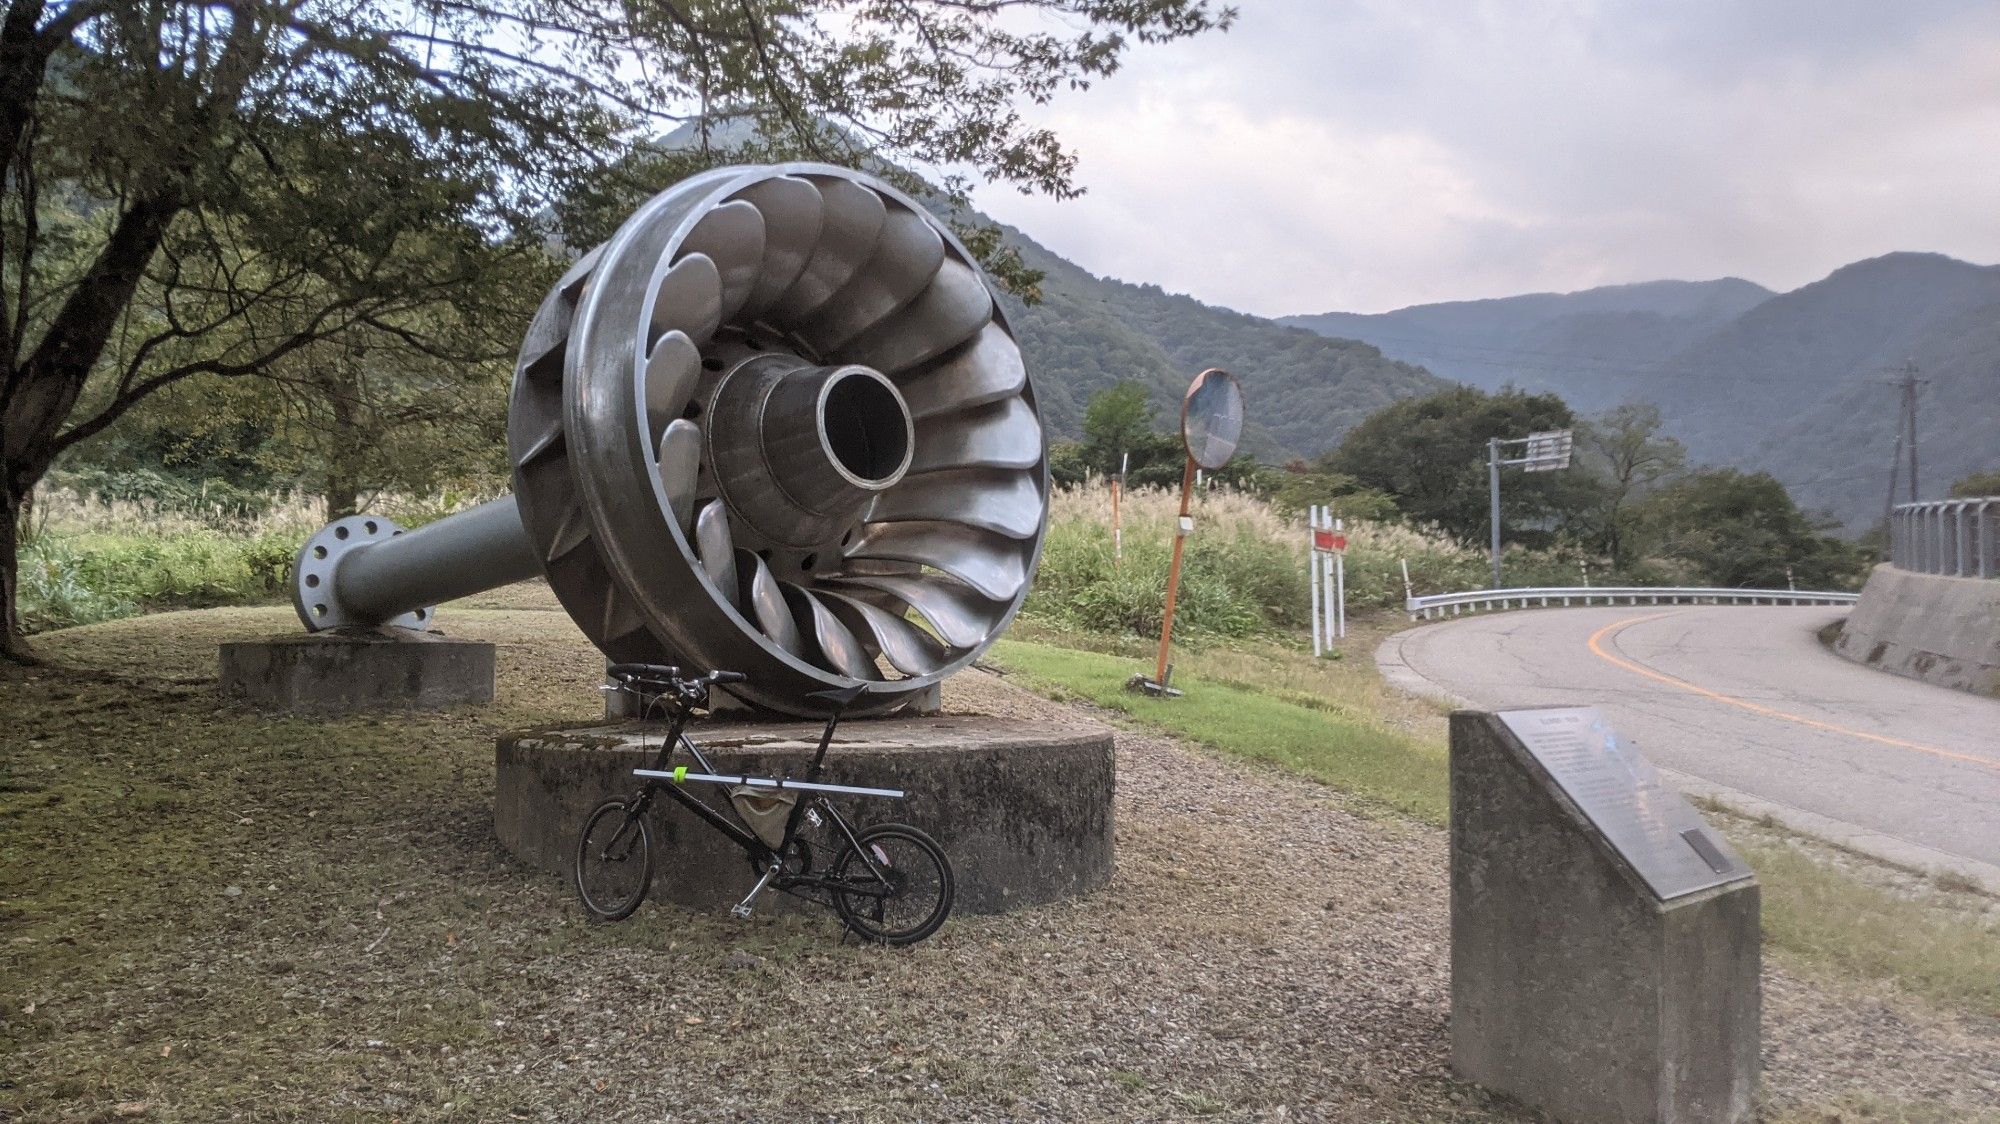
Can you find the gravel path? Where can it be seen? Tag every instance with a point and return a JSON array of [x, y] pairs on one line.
[[1266, 952]]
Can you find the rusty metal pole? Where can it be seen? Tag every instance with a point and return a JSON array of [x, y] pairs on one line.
[[1174, 573]]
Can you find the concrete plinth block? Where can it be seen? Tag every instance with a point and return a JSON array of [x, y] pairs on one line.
[[1597, 972], [346, 671], [1023, 810]]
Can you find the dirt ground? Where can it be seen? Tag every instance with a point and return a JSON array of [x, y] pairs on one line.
[[286, 920]]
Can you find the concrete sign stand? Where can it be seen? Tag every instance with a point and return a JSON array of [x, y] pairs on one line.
[[1605, 949]]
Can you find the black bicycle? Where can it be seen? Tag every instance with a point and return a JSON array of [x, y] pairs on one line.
[[890, 883]]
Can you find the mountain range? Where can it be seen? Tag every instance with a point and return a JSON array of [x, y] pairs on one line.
[[1797, 383], [1794, 383], [1087, 333]]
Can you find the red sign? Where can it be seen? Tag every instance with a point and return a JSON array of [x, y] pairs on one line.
[[1330, 540]]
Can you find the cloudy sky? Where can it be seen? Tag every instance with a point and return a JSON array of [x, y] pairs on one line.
[[1363, 155]]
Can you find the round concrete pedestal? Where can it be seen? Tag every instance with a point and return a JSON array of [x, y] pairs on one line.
[[1023, 810]]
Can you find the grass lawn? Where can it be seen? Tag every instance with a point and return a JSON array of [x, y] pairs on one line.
[[1343, 749]]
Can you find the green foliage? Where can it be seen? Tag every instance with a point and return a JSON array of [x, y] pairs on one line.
[[1234, 583], [73, 579], [1978, 484], [1297, 487], [1119, 419], [1629, 455], [1742, 529], [200, 496], [1430, 453]]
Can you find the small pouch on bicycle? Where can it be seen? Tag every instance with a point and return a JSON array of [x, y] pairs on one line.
[[763, 811]]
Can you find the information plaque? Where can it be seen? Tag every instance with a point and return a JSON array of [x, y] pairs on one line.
[[1663, 838]]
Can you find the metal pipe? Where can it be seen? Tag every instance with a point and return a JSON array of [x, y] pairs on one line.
[[471, 552], [365, 570]]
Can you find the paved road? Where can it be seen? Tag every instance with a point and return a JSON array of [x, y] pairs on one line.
[[1746, 698]]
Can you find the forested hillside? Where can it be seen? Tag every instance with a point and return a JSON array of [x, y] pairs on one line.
[[1796, 383], [1304, 390], [1587, 346]]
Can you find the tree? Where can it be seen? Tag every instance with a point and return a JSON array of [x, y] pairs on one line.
[[1122, 420], [204, 189], [1116, 422], [1978, 485], [1625, 450], [1741, 529], [1429, 454]]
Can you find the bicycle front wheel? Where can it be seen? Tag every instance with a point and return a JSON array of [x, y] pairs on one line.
[[614, 860], [900, 892]]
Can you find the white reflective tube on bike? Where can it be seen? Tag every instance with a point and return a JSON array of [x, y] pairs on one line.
[[769, 782]]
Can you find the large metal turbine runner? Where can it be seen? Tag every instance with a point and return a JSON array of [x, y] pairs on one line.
[[777, 424]]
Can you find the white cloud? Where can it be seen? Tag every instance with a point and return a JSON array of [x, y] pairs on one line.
[[1375, 153]]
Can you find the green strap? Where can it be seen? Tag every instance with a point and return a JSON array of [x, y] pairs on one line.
[[680, 773]]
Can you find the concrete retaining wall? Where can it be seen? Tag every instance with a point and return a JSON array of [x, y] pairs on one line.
[[1926, 626]]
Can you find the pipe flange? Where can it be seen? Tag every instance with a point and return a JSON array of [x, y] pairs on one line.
[[312, 574]]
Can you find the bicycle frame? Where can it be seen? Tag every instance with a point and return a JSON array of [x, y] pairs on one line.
[[753, 846]]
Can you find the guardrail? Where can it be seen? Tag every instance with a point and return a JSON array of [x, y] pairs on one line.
[[1960, 538], [1495, 600]]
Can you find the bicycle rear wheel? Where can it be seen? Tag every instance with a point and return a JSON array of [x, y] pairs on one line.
[[912, 897], [614, 860]]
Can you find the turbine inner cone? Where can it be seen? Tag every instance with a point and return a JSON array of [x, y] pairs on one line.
[[801, 449]]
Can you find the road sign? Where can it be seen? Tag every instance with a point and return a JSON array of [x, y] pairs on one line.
[[1547, 451], [1332, 541]]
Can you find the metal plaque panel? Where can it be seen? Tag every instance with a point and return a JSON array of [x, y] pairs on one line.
[[1663, 838]]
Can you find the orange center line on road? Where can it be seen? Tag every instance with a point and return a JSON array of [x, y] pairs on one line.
[[1597, 647]]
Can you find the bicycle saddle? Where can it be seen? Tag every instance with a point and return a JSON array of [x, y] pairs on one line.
[[839, 697]]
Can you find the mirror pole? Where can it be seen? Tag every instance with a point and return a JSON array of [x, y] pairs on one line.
[[1174, 573]]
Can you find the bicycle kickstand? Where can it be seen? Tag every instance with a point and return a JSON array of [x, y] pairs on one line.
[[742, 908]]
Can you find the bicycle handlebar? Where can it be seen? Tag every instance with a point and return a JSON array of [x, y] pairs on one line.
[[670, 676]]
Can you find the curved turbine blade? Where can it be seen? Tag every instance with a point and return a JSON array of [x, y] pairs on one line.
[[908, 648], [792, 211], [731, 236], [715, 547], [948, 312], [960, 615], [1002, 435], [689, 300], [767, 603], [1006, 503], [850, 223], [671, 371], [680, 460], [986, 371], [843, 652], [905, 260], [989, 564]]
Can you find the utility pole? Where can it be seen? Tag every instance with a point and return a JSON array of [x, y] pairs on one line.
[[1907, 383], [1906, 438]]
